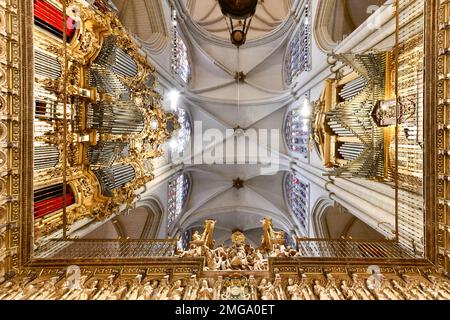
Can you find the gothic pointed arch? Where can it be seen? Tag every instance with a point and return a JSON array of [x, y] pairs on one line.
[[337, 19], [331, 220]]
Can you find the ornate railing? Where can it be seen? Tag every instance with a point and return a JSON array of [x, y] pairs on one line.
[[107, 249], [351, 249]]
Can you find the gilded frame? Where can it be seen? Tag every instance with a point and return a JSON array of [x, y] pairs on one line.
[[17, 193]]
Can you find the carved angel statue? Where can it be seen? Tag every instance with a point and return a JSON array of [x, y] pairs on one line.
[[206, 238], [268, 235]]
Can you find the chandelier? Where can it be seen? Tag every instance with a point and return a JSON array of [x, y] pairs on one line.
[[238, 16]]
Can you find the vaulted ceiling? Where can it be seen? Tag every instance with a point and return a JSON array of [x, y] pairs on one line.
[[215, 98], [145, 19], [220, 102], [207, 14]]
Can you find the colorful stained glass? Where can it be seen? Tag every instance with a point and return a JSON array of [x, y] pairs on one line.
[[298, 56], [297, 195], [180, 56], [296, 132], [177, 195]]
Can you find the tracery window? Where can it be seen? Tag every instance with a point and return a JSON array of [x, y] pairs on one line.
[[298, 55], [183, 242], [297, 196], [177, 195], [181, 141], [296, 130], [180, 56]]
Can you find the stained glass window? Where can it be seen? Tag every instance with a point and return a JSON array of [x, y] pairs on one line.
[[177, 196], [180, 57], [297, 195], [183, 242], [296, 132], [298, 56], [181, 141]]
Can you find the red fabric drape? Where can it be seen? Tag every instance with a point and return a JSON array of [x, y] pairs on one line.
[[46, 207], [52, 16]]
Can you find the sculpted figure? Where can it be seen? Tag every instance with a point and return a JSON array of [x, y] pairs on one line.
[[217, 289], [147, 290], [261, 263], [207, 237], [106, 289], [89, 291], [266, 290], [389, 291], [293, 290], [196, 236], [332, 288], [349, 292], [359, 287], [176, 292], [439, 289], [268, 235], [205, 292], [120, 292], [46, 291], [163, 289], [192, 252], [400, 289], [278, 289], [72, 293], [412, 286], [320, 291], [133, 293], [9, 290], [305, 289], [253, 288], [191, 290]]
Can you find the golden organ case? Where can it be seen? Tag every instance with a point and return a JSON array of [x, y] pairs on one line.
[[97, 115]]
